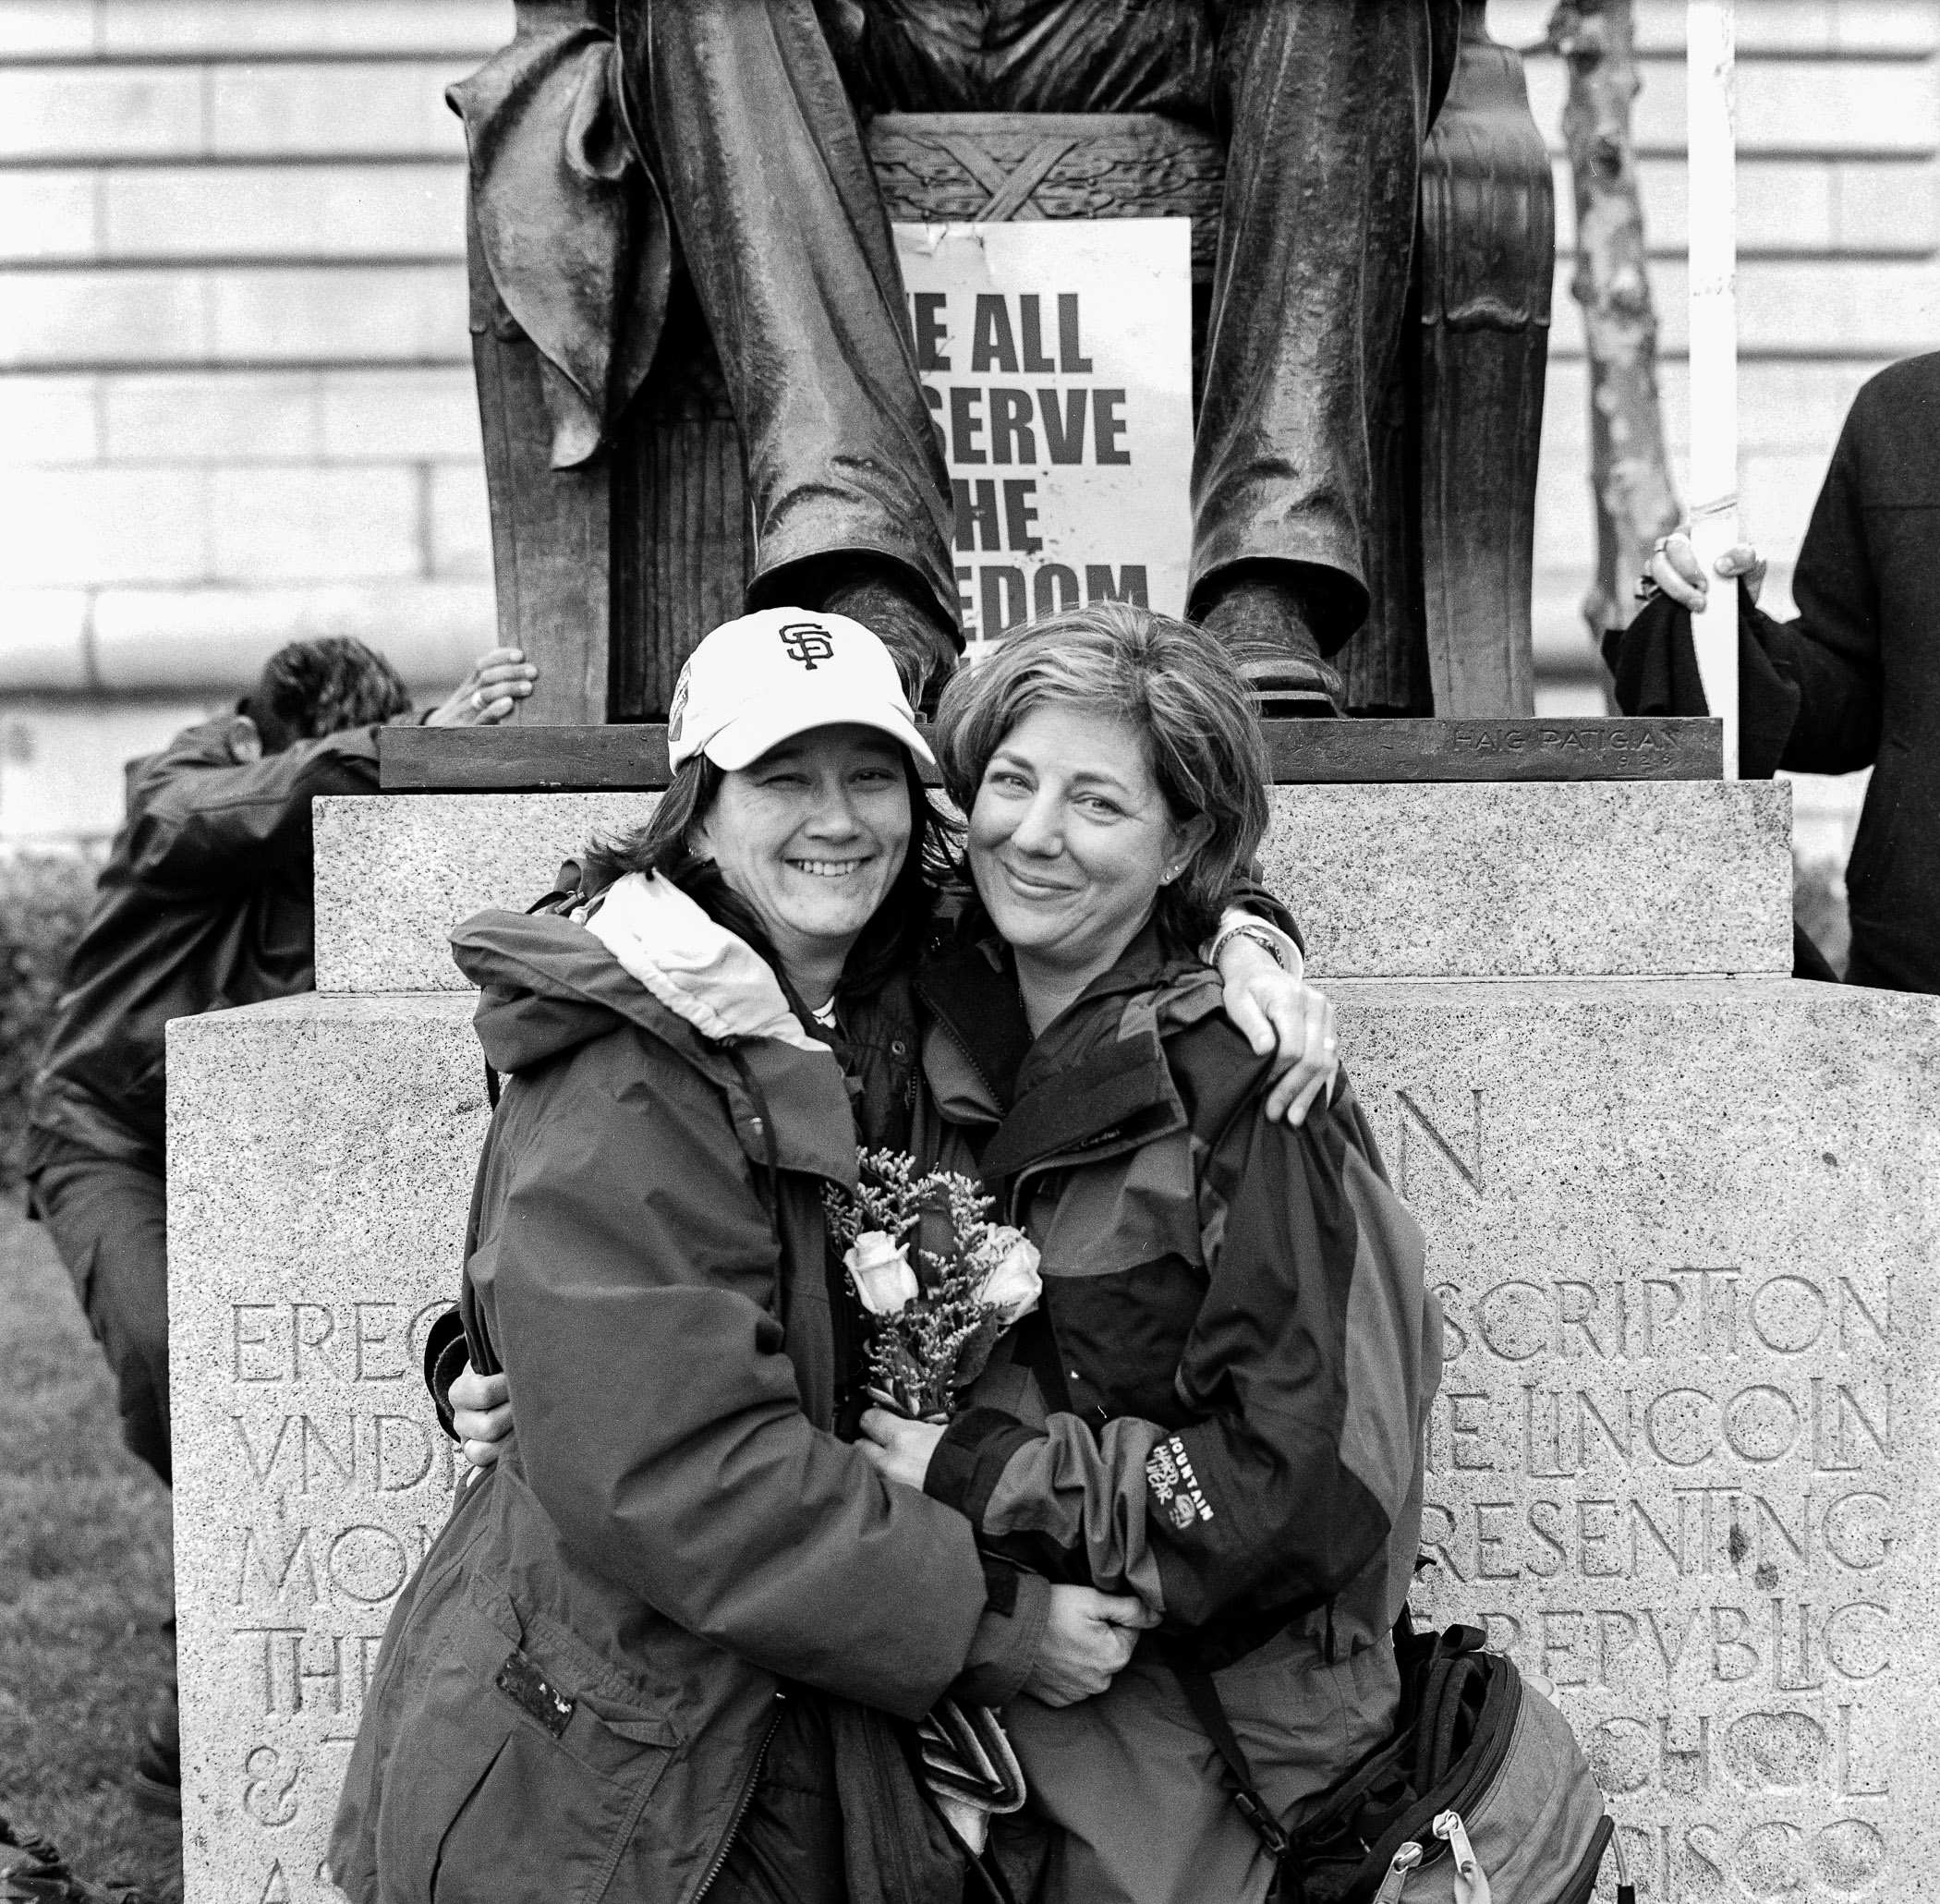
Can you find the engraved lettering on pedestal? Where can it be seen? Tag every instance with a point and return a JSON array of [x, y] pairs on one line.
[[1733, 1656], [368, 1564], [270, 1780], [403, 1452], [341, 1479], [1414, 1118], [269, 1563], [1666, 1488], [355, 1341]]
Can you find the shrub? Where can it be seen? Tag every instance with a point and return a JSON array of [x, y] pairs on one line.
[[44, 899]]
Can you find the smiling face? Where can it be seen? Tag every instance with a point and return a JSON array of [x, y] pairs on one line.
[[812, 835], [1070, 839]]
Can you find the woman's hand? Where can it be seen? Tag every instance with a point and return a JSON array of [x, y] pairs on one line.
[[1674, 568], [481, 1415], [1087, 1639], [497, 682], [901, 1449], [1273, 1009]]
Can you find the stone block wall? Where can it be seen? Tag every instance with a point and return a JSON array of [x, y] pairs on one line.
[[235, 388]]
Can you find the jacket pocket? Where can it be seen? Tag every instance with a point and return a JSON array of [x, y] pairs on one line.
[[505, 1780]]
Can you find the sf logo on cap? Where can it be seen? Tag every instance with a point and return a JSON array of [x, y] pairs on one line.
[[807, 642]]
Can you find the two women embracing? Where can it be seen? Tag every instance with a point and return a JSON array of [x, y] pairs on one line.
[[677, 1642]]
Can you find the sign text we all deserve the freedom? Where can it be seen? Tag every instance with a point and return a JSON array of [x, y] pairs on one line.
[[1056, 366]]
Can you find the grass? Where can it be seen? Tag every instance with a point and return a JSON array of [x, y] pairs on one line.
[[86, 1587]]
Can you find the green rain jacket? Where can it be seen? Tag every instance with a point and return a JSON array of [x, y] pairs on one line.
[[575, 1689]]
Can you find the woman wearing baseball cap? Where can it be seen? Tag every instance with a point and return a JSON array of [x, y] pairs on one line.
[[652, 1657]]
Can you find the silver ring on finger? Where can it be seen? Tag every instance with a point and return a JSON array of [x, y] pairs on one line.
[[478, 700]]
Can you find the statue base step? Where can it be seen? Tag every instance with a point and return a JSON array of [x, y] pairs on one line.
[[1433, 879], [523, 757]]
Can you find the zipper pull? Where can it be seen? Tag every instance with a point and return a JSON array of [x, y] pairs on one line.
[[1405, 1859], [1471, 1880]]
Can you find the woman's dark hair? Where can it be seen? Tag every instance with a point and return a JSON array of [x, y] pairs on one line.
[[311, 688], [1175, 687], [896, 933]]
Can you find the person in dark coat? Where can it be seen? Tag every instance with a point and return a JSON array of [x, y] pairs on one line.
[[1220, 1403], [1854, 680], [204, 903]]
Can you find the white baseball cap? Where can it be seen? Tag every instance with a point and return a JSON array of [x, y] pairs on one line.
[[766, 678]]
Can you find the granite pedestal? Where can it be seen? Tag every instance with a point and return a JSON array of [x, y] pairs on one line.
[[1682, 1209]]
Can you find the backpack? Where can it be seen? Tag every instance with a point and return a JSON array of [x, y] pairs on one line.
[[1482, 1795]]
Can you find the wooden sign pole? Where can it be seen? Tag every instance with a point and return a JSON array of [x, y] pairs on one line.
[[1711, 83]]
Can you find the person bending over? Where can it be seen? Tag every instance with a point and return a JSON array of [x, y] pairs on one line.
[[204, 903]]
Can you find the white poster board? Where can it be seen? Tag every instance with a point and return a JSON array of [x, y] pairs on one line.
[[1057, 359]]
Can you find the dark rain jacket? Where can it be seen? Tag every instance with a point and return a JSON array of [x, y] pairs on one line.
[[1220, 1406], [204, 903], [575, 1689], [1854, 681]]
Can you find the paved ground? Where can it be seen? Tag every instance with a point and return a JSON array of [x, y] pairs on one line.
[[85, 1587]]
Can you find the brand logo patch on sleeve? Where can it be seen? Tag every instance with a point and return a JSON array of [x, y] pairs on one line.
[[1169, 1473]]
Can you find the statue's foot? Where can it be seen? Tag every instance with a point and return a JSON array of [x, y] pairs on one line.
[[895, 608], [1295, 689], [1260, 617]]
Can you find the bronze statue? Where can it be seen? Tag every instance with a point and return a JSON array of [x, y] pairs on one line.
[[628, 154]]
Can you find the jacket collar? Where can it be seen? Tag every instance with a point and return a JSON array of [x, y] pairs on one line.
[[969, 987], [696, 967], [1097, 1081], [549, 984]]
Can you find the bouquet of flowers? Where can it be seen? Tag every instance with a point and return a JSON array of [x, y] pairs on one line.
[[941, 1281]]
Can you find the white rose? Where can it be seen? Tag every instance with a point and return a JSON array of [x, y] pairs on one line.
[[880, 1267], [1013, 1286]]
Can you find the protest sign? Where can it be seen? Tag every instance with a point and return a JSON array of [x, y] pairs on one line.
[[1056, 358]]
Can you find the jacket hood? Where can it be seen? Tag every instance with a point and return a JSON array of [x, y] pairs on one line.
[[696, 967], [978, 1054], [550, 983], [649, 956]]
